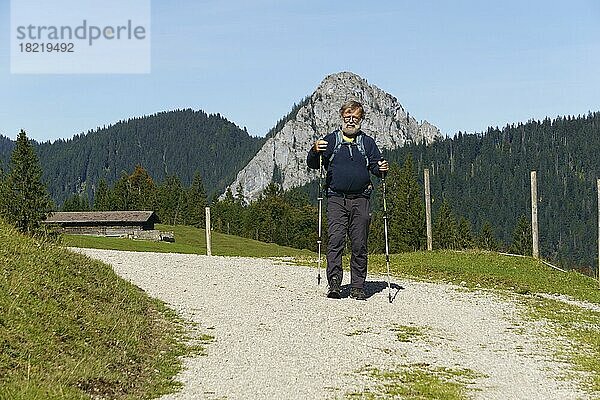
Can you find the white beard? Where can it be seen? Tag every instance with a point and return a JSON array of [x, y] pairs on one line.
[[350, 131]]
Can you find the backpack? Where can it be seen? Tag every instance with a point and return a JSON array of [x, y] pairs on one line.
[[358, 142]]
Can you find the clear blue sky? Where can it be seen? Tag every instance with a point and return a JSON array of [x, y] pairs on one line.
[[462, 65]]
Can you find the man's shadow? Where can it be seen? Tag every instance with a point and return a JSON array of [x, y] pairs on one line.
[[373, 287]]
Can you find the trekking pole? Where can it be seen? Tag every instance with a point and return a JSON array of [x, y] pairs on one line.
[[320, 199], [385, 231]]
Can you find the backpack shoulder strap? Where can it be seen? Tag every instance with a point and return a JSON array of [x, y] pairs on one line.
[[338, 145], [361, 146]]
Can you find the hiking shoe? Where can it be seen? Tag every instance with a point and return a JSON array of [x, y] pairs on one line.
[[334, 288], [358, 294]]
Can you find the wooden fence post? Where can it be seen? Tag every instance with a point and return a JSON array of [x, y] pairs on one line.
[[428, 209], [208, 244], [534, 215]]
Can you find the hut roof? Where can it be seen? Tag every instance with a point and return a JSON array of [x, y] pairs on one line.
[[101, 216]]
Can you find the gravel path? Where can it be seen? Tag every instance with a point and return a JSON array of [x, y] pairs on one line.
[[278, 337]]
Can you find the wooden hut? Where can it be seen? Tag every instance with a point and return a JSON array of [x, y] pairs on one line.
[[132, 224]]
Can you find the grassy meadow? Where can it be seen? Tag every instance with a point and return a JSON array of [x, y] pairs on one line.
[[488, 270], [190, 240], [70, 328]]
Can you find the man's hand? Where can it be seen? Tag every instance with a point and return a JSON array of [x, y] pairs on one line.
[[383, 166], [320, 145]]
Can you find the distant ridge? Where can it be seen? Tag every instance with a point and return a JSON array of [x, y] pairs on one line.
[[175, 142]]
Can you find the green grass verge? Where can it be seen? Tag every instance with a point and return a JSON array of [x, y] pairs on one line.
[[190, 240], [581, 329], [490, 270], [417, 382], [71, 328]]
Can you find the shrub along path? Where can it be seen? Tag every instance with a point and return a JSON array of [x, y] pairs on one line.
[[278, 336]]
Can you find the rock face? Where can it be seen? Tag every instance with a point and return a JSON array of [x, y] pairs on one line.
[[285, 151]]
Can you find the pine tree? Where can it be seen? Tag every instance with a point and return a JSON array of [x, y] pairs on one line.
[[412, 196], [253, 220], [77, 202], [222, 212], [142, 190], [522, 242], [239, 195], [276, 215], [102, 200], [171, 201], [3, 191], [406, 210], [376, 237], [229, 196], [302, 232], [27, 201], [487, 240], [196, 202], [444, 229], [120, 195], [464, 234]]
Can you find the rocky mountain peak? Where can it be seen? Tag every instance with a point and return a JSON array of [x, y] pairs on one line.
[[284, 153]]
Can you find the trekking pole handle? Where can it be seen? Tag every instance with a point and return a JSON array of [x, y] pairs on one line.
[[384, 173]]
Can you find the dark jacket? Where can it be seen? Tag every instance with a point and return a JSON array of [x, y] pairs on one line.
[[348, 173]]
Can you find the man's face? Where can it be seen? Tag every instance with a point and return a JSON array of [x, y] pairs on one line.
[[351, 122]]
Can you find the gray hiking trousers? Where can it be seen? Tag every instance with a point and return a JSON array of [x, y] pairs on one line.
[[348, 217]]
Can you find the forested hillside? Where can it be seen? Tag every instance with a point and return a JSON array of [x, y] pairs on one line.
[[6, 148], [486, 177], [170, 143]]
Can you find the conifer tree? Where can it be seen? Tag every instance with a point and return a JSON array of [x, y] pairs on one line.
[[464, 234], [444, 229], [77, 202], [412, 201], [120, 195], [239, 195], [253, 220], [102, 200], [522, 241], [406, 210], [487, 240], [171, 201], [142, 190], [228, 214], [301, 232], [376, 244], [276, 214], [196, 202], [3, 191], [27, 201]]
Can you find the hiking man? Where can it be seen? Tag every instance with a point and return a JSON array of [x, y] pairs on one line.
[[348, 155]]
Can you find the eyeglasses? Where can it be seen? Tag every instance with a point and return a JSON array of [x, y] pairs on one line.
[[351, 118]]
